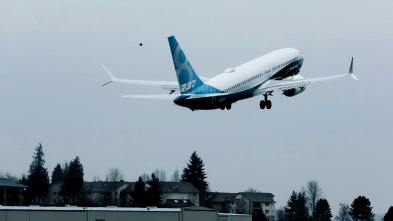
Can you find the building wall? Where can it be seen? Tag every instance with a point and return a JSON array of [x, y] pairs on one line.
[[82, 214], [226, 207], [185, 196], [54, 196], [134, 216], [20, 215], [234, 217], [196, 215]]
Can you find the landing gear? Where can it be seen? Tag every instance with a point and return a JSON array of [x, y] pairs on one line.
[[227, 106], [265, 103]]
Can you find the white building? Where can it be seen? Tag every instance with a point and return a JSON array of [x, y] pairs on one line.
[[244, 203]]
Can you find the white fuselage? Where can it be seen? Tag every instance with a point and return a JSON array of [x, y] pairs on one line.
[[254, 72]]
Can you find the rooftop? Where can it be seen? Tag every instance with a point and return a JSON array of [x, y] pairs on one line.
[[10, 183], [224, 197], [259, 197]]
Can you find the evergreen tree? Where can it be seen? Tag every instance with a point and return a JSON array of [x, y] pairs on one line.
[[73, 180], [302, 206], [195, 174], [38, 179], [322, 211], [296, 208], [27, 194], [139, 194], [57, 174], [154, 192], [389, 215], [361, 209], [290, 209], [258, 215]]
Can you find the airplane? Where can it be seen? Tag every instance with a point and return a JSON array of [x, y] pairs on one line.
[[275, 71]]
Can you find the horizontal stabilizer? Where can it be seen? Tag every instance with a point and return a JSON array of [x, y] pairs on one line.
[[194, 96], [171, 85], [160, 96]]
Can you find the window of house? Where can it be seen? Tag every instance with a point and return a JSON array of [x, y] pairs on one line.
[[267, 204], [267, 211]]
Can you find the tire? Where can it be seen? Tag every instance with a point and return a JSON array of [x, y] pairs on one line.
[[268, 104], [229, 106], [262, 104]]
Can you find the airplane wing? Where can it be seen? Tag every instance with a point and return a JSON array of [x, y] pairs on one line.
[[170, 85], [281, 85]]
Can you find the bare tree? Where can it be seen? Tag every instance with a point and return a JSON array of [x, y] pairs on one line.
[[241, 206], [175, 176], [280, 214], [343, 213], [145, 177], [251, 190], [9, 176], [314, 193], [96, 178], [114, 175], [160, 174]]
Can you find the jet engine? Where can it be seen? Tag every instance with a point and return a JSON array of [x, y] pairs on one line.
[[294, 91]]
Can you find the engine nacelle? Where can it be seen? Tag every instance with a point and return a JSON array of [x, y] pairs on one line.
[[294, 91]]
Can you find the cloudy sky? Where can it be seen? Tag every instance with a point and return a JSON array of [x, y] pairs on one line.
[[338, 133]]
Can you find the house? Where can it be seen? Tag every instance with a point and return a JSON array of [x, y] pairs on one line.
[[11, 192], [54, 195], [224, 202], [258, 201], [179, 194], [244, 203], [174, 194], [105, 193]]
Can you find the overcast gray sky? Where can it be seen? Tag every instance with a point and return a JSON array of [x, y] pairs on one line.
[[338, 132]]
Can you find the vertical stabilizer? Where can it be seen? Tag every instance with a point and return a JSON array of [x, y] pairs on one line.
[[186, 76]]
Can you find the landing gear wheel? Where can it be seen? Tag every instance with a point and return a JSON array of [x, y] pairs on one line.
[[262, 104], [228, 106], [222, 107], [268, 104]]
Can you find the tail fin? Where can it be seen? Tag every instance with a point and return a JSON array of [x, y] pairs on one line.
[[186, 76], [351, 74]]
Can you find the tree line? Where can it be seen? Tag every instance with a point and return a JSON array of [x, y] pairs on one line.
[[307, 204], [147, 190]]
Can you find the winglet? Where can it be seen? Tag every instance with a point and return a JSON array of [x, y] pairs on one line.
[[351, 74], [113, 78]]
